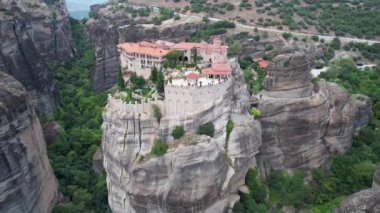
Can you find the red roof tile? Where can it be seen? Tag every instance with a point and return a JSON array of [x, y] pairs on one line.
[[218, 69], [145, 48], [192, 75]]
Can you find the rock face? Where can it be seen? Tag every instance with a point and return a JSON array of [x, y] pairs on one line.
[[27, 181], [31, 33], [303, 123], [367, 200], [197, 174], [114, 27]]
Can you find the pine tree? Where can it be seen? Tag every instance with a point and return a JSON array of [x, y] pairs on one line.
[[195, 56], [154, 75], [160, 82]]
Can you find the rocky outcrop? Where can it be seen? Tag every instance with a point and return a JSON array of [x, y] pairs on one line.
[[97, 161], [27, 181], [367, 200], [197, 174], [114, 26], [303, 123], [30, 33]]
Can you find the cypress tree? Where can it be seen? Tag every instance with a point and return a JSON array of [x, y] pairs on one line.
[[120, 80]]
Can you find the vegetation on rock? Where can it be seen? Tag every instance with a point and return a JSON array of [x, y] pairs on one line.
[[206, 129], [178, 132], [159, 148]]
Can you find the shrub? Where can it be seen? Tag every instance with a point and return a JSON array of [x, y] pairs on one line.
[[159, 148], [315, 38], [286, 35], [255, 112], [206, 129], [178, 132]]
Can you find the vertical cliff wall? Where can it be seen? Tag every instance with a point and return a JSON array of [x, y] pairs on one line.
[[197, 174], [27, 182], [113, 26], [30, 33], [304, 123]]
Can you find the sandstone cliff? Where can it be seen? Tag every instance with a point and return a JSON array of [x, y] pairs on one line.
[[197, 174], [303, 123], [367, 200], [30, 33], [27, 182], [114, 26]]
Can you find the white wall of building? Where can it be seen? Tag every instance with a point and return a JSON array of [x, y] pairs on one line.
[[186, 101]]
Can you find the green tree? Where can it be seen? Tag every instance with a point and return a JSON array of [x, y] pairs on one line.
[[154, 75], [336, 43], [195, 55], [173, 57], [161, 82], [178, 132], [137, 81], [120, 80]]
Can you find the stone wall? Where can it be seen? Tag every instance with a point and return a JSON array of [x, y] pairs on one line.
[[138, 108], [189, 100]]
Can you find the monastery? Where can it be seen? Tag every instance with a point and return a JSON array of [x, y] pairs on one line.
[[187, 90]]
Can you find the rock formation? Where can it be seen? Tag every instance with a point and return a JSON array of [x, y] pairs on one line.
[[367, 200], [30, 33], [97, 161], [27, 181], [114, 26], [303, 123], [197, 174]]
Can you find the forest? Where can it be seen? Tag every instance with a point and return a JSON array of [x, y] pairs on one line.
[[79, 114]]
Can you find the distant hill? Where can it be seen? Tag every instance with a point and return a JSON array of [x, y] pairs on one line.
[[80, 9]]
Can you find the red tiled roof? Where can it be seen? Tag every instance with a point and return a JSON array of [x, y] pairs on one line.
[[263, 64], [192, 75], [186, 45], [145, 48], [218, 69]]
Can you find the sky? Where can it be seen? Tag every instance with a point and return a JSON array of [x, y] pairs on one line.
[[80, 8]]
